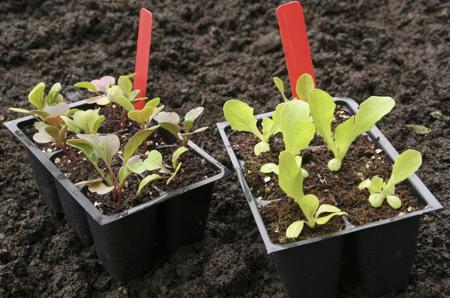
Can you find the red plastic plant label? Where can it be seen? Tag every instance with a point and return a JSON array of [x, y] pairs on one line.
[[143, 55], [295, 41]]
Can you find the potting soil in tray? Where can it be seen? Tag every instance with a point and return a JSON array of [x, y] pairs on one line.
[[363, 160]]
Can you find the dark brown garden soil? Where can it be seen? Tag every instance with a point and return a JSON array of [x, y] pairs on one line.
[[203, 53]]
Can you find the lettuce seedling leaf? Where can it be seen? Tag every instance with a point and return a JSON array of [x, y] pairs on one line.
[[54, 96], [304, 85], [331, 211], [241, 118], [297, 129], [176, 155], [190, 117], [169, 121], [42, 137], [418, 129], [153, 161], [261, 147], [280, 86], [269, 168], [144, 182], [124, 102], [88, 121], [125, 84], [294, 229], [322, 108], [36, 96], [105, 146], [174, 173], [136, 140], [405, 165], [290, 178], [86, 85]]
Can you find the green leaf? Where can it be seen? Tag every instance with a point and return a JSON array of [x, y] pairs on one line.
[[240, 116], [280, 86], [113, 92], [124, 172], [169, 121], [86, 85], [269, 168], [294, 229], [140, 116], [322, 108], [267, 128], [71, 125], [376, 184], [153, 161], [153, 103], [176, 155], [125, 84], [100, 100], [365, 184], [326, 208], [136, 140], [105, 146], [376, 200], [146, 181], [304, 85], [124, 102], [418, 129], [61, 108], [135, 164], [36, 96], [88, 121], [309, 204], [53, 96], [394, 201], [99, 187], [261, 147], [296, 128], [42, 137], [190, 117], [290, 177], [437, 115], [405, 165]]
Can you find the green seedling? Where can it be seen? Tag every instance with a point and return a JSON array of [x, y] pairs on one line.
[[144, 116], [170, 121], [291, 182], [104, 148], [405, 165], [275, 169], [44, 105], [322, 109], [303, 86], [87, 122]]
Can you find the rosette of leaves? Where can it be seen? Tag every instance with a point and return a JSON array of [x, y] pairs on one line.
[[404, 166], [322, 108], [107, 91], [290, 179], [170, 121], [143, 117]]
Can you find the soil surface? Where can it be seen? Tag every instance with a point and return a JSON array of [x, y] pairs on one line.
[[203, 53]]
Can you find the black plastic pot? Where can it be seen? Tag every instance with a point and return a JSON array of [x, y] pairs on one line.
[[126, 243], [383, 251]]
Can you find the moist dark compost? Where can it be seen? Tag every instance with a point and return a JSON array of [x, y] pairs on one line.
[[204, 53]]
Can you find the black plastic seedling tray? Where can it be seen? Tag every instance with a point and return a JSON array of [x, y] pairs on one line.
[[126, 242], [383, 250]]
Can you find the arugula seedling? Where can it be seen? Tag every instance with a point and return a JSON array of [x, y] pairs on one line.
[[290, 180], [88, 121], [304, 85], [404, 166], [322, 109], [170, 121]]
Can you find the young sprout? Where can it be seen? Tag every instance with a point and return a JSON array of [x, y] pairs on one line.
[[290, 180], [42, 103], [322, 109], [405, 165], [275, 169], [144, 116], [170, 121], [121, 94], [88, 121], [241, 118], [303, 86]]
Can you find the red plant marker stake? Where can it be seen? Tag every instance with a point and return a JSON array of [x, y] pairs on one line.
[[142, 55], [295, 41]]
